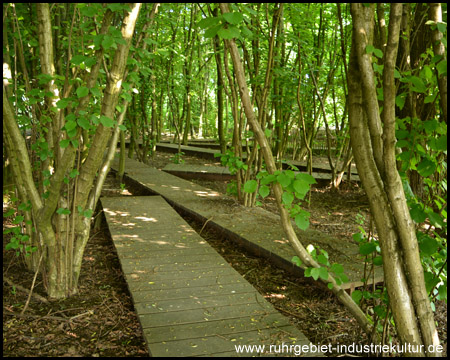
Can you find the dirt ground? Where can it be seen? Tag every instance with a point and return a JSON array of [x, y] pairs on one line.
[[100, 320]]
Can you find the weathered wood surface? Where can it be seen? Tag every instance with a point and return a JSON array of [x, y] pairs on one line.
[[205, 172], [256, 229], [187, 171], [189, 150], [210, 154], [189, 300]]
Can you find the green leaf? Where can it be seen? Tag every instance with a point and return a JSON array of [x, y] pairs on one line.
[[296, 260], [246, 32], [208, 22], [70, 125], [301, 187], [284, 180], [44, 79], [82, 91], [74, 173], [64, 143], [96, 92], [108, 42], [229, 33], [367, 248], [62, 104], [315, 273], [356, 296], [322, 259], [418, 84], [233, 18], [106, 121], [402, 134], [435, 219], [442, 27], [287, 198], [417, 213], [378, 53], [18, 219], [306, 178], [378, 260], [428, 245], [442, 68], [264, 191], [268, 179], [370, 49], [400, 100], [337, 268], [87, 213], [323, 273], [89, 11], [358, 237], [212, 31], [84, 123], [441, 143], [426, 167], [302, 220], [89, 62], [77, 59], [430, 98], [62, 211], [426, 72], [118, 7], [250, 186], [430, 125]]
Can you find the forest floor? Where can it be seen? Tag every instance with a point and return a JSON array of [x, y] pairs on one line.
[[100, 320]]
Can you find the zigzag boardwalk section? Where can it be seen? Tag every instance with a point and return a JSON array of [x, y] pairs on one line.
[[204, 172], [189, 300], [258, 230], [199, 172]]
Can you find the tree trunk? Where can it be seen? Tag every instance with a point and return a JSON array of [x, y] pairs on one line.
[[63, 233], [403, 271]]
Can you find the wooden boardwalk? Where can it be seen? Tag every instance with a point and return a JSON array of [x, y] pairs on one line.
[[188, 172], [210, 155], [258, 230], [189, 300], [199, 172], [189, 150]]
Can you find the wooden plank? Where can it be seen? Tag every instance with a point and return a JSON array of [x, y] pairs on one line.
[[203, 345], [218, 327], [196, 281], [186, 171], [188, 150], [164, 305], [185, 294]]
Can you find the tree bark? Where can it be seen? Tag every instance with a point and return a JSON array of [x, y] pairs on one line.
[[403, 271], [435, 14]]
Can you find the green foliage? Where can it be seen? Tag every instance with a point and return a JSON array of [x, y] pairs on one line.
[[177, 158], [226, 26], [323, 271], [19, 242]]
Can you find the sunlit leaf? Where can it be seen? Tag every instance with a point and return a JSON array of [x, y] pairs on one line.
[[250, 186]]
